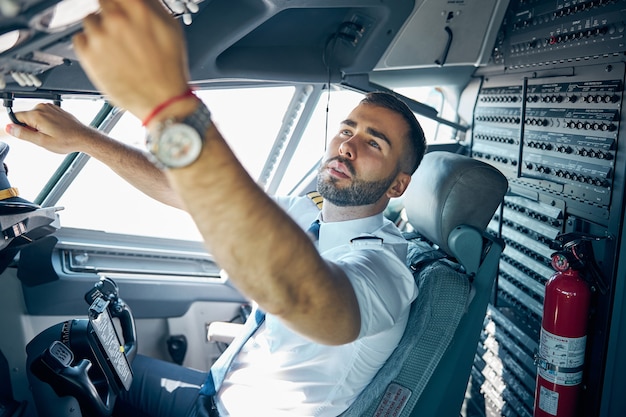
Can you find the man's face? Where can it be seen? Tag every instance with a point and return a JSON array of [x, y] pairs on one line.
[[358, 193], [362, 161]]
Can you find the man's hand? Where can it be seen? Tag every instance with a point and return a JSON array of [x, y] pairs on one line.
[[134, 51], [52, 128], [58, 131]]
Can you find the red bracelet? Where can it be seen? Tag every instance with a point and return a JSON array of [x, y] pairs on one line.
[[158, 109]]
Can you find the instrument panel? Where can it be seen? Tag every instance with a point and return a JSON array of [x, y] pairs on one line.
[[549, 116]]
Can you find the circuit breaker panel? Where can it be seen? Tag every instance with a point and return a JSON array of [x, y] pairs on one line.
[[549, 116]]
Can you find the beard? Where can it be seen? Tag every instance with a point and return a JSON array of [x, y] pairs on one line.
[[358, 193]]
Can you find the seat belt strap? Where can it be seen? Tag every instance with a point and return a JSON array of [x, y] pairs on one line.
[[218, 371]]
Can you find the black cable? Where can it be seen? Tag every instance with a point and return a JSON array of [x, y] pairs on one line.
[[331, 39], [342, 33]]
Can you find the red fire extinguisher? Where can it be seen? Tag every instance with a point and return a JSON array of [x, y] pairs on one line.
[[561, 354]]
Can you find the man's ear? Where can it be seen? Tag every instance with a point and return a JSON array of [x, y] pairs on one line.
[[399, 185]]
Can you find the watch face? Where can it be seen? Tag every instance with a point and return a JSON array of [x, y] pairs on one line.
[[179, 145]]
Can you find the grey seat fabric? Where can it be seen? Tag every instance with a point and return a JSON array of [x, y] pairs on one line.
[[449, 204], [432, 321]]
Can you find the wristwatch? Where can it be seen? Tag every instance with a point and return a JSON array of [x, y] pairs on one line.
[[177, 144]]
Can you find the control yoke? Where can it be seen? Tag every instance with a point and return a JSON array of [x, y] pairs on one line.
[[84, 360]]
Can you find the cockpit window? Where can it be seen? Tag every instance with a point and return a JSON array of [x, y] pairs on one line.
[[30, 167], [249, 118], [319, 129], [97, 199], [434, 97]]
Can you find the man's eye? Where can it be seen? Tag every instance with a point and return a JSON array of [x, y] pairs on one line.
[[345, 132], [374, 144]]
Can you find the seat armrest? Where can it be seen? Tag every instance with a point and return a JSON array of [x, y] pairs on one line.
[[222, 331]]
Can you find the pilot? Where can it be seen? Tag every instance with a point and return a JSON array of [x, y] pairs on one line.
[[335, 305]]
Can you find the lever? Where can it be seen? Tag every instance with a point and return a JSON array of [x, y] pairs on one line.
[[55, 367], [8, 103], [444, 55]]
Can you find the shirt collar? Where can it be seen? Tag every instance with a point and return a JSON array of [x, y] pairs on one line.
[[335, 234]]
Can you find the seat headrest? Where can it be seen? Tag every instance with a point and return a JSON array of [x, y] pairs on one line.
[[449, 190]]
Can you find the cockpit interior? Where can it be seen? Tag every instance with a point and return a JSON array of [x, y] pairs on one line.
[[522, 98]]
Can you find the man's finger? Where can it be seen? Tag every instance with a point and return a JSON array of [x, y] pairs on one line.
[[80, 41], [92, 22], [132, 8], [21, 118], [108, 5], [22, 132]]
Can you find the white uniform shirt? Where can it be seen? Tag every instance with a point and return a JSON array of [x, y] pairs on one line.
[[280, 373]]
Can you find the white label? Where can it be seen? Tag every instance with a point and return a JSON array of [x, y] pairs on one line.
[[548, 400], [568, 352], [561, 378], [393, 402]]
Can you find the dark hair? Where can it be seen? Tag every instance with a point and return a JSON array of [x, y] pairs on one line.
[[416, 140]]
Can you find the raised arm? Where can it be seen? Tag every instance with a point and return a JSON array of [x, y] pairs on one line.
[[58, 131], [134, 51]]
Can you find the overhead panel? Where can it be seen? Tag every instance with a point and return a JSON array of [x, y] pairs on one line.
[[444, 33]]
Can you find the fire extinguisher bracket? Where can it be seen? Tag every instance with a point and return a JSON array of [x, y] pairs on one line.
[[543, 363]]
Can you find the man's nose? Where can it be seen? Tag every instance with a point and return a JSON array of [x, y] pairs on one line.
[[347, 148]]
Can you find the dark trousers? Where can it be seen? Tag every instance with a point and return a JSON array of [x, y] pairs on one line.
[[160, 389]]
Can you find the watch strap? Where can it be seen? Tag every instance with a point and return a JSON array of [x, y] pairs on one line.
[[199, 120]]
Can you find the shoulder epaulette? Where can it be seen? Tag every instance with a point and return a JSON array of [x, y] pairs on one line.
[[316, 198]]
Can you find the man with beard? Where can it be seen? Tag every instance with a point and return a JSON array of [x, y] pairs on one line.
[[336, 306]]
